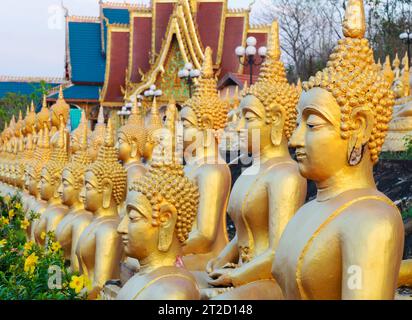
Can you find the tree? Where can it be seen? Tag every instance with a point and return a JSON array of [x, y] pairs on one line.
[[13, 102], [310, 29]]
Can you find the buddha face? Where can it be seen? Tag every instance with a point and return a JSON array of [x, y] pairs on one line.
[[93, 199], [124, 147], [47, 187], [320, 150], [74, 144], [139, 237], [398, 88], [67, 191], [32, 182], [55, 119], [253, 121], [190, 128]]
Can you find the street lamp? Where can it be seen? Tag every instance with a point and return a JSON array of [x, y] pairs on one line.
[[247, 56], [153, 92], [188, 74], [125, 112], [406, 37]]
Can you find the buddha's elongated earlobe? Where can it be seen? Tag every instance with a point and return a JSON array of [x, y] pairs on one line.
[[167, 219]]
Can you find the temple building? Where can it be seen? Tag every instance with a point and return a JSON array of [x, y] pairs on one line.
[[130, 47]]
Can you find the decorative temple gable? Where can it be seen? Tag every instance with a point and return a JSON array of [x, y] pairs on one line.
[[168, 80], [180, 33], [129, 61]]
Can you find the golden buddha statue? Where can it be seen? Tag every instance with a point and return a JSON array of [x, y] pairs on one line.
[[11, 150], [29, 133], [130, 144], [59, 114], [76, 136], [42, 154], [77, 219], [267, 194], [97, 136], [161, 209], [154, 123], [203, 117], [400, 128], [348, 242], [18, 166], [99, 250], [51, 179]]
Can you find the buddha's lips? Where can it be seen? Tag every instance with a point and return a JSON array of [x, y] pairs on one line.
[[300, 155], [179, 262]]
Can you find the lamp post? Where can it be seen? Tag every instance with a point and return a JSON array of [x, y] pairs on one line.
[[247, 56], [406, 38], [153, 92], [125, 112], [188, 74]]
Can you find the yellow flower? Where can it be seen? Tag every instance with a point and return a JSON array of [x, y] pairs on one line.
[[43, 235], [56, 246], [77, 283], [11, 214], [27, 247], [30, 263], [3, 243], [5, 220], [24, 224], [17, 206], [7, 199]]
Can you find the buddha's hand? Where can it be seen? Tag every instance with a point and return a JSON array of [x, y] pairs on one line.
[[221, 278]]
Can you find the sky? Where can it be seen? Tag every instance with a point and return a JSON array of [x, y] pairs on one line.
[[32, 34]]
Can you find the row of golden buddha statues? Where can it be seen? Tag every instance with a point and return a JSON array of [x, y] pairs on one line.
[[133, 205]]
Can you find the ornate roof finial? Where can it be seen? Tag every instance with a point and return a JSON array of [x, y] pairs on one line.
[[32, 109], [396, 62], [207, 67], [20, 116], [354, 24]]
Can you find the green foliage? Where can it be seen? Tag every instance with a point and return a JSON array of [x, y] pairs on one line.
[[405, 155], [25, 268], [13, 102], [407, 214]]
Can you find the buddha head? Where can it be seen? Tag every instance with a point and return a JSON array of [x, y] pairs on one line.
[[51, 173], [345, 109], [73, 173], [76, 135], [97, 136], [41, 155], [132, 136], [43, 117], [161, 206], [154, 124], [105, 179], [60, 111], [268, 107], [30, 120], [205, 114]]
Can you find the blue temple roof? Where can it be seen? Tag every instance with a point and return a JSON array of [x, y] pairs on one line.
[[22, 88], [80, 92], [87, 62], [114, 16]]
